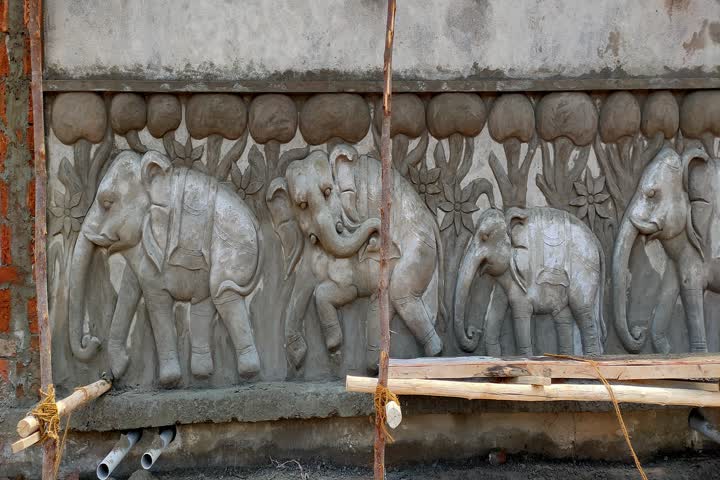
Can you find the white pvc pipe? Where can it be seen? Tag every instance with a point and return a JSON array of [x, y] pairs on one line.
[[167, 435], [116, 455]]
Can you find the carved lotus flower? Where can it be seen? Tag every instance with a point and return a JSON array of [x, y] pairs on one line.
[[186, 155], [426, 182], [79, 116], [407, 118], [334, 115], [164, 114], [273, 117], [66, 215], [592, 200], [458, 206], [449, 113]]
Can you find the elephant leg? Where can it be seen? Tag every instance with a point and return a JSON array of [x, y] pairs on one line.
[[125, 308], [159, 305], [692, 299], [201, 314], [328, 297], [585, 318], [413, 312], [522, 323], [497, 310], [564, 328], [233, 312], [662, 313]]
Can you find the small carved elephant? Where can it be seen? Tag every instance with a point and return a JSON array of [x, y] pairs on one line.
[[333, 201], [184, 237], [547, 262]]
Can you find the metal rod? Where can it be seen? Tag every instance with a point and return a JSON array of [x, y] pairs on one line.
[[165, 436], [116, 455], [385, 211], [699, 423], [34, 24]]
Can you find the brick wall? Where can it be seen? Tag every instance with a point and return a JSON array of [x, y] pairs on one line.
[[19, 362]]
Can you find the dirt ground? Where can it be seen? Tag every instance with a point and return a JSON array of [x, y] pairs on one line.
[[697, 467]]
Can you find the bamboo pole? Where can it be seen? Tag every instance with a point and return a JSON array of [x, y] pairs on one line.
[[386, 204], [34, 19], [547, 393], [66, 406]]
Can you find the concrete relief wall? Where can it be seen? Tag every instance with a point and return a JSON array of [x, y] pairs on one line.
[[203, 240]]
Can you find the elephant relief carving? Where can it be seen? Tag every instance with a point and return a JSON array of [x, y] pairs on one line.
[[184, 237], [326, 211], [676, 202], [547, 262]]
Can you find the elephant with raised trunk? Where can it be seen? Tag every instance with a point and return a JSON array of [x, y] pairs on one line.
[[333, 202], [184, 237], [547, 262], [676, 202]]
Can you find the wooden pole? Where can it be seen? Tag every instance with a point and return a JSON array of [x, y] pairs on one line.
[[66, 406], [547, 393], [40, 266], [385, 242]]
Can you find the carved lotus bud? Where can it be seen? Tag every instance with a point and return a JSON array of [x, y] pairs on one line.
[[463, 113], [567, 114], [408, 115], [329, 115], [619, 117], [128, 111], [78, 116], [164, 114], [512, 116], [221, 114], [700, 113], [273, 117], [660, 114]]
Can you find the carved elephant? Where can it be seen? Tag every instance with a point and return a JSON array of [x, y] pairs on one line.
[[676, 202], [333, 202], [547, 262], [185, 238]]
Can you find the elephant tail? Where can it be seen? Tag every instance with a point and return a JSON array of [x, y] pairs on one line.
[[245, 290], [442, 311]]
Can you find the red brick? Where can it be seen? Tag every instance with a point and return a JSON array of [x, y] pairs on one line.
[[33, 316], [5, 369], [4, 62], [3, 199], [7, 347], [4, 15], [5, 310], [5, 239], [31, 144], [9, 274]]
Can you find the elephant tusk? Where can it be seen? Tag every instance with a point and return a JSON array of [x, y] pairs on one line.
[[313, 238]]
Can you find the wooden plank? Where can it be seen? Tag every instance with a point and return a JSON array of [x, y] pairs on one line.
[[612, 367], [531, 393], [529, 380], [26, 442], [376, 86], [705, 386]]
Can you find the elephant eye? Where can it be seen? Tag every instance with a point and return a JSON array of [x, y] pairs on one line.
[[327, 191], [303, 205], [107, 204], [484, 237], [650, 193]]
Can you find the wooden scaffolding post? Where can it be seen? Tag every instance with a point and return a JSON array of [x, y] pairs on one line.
[[385, 242], [34, 24]]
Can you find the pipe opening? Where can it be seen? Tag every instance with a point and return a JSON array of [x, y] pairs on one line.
[[165, 437]]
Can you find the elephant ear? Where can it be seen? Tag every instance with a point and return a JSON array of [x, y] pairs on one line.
[[699, 179], [284, 223], [155, 169], [342, 163], [517, 220]]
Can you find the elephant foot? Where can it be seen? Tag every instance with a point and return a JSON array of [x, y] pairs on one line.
[[661, 344], [698, 348], [169, 371], [433, 346], [333, 337], [201, 364], [248, 362], [296, 348], [119, 361]]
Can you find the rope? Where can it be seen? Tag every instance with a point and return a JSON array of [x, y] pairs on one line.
[[615, 403], [48, 417], [382, 397]]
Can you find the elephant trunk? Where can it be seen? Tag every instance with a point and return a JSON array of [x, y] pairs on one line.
[[84, 346], [634, 341], [344, 245], [469, 338]]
